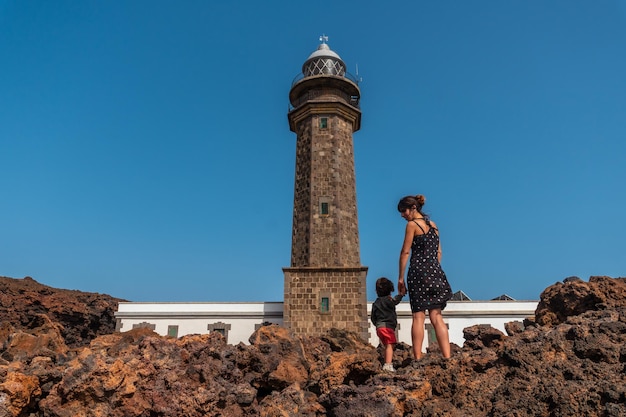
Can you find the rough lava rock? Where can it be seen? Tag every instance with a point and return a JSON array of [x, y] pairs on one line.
[[568, 360], [574, 296], [81, 316]]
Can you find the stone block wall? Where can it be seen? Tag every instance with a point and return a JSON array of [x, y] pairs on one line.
[[345, 290], [325, 175]]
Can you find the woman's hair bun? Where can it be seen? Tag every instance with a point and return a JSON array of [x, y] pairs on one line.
[[420, 199]]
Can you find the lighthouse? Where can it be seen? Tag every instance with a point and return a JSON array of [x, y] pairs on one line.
[[325, 285]]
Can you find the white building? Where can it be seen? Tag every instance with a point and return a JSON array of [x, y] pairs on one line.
[[237, 321]]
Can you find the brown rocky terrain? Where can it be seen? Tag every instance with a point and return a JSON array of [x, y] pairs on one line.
[[60, 357], [82, 316]]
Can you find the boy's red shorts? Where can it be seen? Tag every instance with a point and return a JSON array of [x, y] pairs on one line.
[[386, 335]]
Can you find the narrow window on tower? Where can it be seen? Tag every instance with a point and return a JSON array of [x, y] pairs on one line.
[[324, 206], [323, 122], [325, 306], [325, 302]]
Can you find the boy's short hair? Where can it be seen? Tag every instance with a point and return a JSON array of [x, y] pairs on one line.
[[384, 287]]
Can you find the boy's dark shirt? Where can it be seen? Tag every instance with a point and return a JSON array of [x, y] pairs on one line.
[[384, 311]]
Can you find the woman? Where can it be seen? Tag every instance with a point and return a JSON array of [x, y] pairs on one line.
[[427, 283]]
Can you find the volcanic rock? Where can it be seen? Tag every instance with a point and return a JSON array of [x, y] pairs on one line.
[[81, 316], [569, 360]]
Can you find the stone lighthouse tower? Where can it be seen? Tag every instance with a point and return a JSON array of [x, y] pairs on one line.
[[325, 285]]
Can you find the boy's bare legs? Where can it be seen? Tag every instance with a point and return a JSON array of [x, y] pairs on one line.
[[417, 333], [441, 331], [389, 353]]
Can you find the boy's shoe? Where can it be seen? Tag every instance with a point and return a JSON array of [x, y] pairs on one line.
[[388, 368]]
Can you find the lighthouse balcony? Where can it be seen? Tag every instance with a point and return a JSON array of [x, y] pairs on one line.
[[347, 75]]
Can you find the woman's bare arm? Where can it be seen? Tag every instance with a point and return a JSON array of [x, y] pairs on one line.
[[404, 256]]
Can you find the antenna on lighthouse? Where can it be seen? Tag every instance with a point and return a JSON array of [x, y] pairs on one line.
[[358, 79]]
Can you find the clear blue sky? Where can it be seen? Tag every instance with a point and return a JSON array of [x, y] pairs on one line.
[[145, 151]]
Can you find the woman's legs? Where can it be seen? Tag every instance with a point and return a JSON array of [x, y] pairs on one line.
[[441, 331], [417, 333]]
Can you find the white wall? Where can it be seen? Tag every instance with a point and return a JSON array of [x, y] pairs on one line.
[[193, 318]]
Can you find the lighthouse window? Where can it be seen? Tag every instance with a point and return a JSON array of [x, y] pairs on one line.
[[324, 301], [323, 122], [325, 307], [324, 205]]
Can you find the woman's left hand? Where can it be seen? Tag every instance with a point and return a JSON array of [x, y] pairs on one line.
[[401, 287]]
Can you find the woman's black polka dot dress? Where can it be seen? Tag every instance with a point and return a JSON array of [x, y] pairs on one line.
[[427, 283]]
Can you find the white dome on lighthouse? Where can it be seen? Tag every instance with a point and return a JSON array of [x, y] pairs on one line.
[[323, 61]]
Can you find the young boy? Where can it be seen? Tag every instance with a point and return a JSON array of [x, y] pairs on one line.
[[385, 319]]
